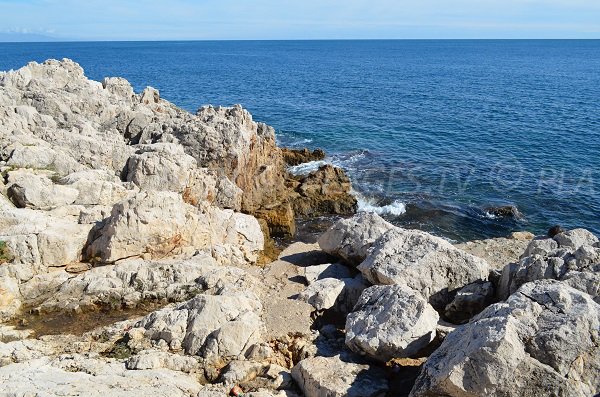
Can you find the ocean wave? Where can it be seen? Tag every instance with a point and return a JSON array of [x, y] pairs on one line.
[[395, 208], [306, 168]]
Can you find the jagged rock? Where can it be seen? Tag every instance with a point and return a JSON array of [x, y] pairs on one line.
[[351, 239], [160, 224], [469, 301], [575, 238], [560, 263], [540, 246], [165, 166], [298, 156], [542, 341], [390, 322], [339, 377], [322, 192], [97, 187], [211, 326], [427, 264], [79, 375]]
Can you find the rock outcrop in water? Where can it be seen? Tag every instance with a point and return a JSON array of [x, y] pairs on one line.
[[116, 202]]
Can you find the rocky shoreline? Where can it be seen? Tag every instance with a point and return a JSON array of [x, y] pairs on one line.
[[116, 202]]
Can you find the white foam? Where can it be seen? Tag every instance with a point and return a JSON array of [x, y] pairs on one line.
[[396, 208], [306, 168]]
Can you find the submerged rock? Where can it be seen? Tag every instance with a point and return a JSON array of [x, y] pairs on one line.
[[298, 156]]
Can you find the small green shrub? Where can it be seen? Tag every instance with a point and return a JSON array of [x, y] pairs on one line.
[[5, 255]]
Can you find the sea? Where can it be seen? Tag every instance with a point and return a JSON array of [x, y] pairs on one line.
[[435, 134]]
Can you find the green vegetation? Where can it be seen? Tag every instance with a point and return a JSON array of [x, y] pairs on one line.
[[5, 255]]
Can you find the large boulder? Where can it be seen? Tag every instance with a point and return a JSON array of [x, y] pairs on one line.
[[214, 327], [575, 259], [542, 341], [389, 322], [339, 377], [161, 224], [430, 265], [351, 239]]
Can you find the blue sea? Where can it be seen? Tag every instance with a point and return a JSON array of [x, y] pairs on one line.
[[433, 133]]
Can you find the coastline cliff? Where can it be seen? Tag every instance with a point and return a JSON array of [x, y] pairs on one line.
[[131, 230]]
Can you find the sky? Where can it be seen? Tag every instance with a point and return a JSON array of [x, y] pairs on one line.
[[305, 19]]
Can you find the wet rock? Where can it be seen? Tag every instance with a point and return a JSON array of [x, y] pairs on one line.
[[506, 211], [298, 156], [425, 263], [541, 341], [390, 322], [324, 192], [351, 239], [554, 230], [339, 377]]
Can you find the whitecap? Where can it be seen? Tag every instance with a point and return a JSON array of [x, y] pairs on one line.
[[395, 208], [306, 168]]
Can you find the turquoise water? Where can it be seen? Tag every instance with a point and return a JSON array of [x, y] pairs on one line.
[[433, 133]]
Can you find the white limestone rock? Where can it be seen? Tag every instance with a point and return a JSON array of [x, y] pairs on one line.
[[542, 341], [390, 322], [351, 239], [27, 189], [78, 375], [323, 294], [428, 264], [211, 326], [575, 238], [160, 224], [327, 270], [339, 377]]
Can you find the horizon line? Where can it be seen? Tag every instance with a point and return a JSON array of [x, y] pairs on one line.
[[57, 40]]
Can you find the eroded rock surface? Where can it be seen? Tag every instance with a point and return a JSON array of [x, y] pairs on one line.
[[542, 341], [427, 264], [350, 239], [389, 322], [339, 377]]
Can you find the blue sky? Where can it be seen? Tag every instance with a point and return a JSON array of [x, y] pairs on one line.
[[306, 19]]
